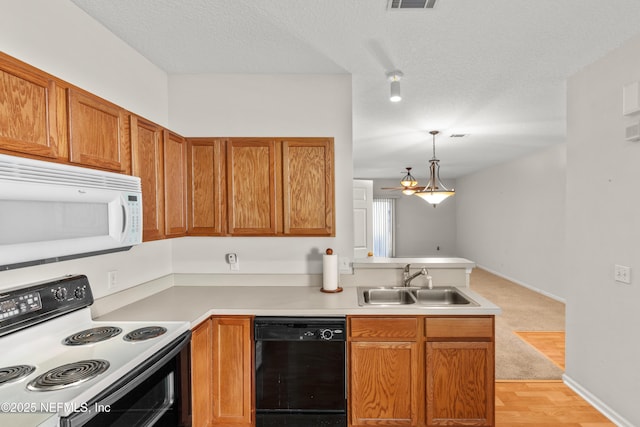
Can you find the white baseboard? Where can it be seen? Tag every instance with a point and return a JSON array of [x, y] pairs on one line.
[[603, 408], [525, 285]]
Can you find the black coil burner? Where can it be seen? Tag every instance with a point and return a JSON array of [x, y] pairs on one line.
[[14, 373], [145, 333], [68, 375], [93, 335]]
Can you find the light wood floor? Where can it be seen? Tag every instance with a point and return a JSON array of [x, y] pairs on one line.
[[551, 344], [543, 404]]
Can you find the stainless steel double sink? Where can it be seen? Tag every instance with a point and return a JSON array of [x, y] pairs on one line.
[[424, 297]]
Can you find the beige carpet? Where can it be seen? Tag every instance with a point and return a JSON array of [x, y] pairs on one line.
[[522, 310]]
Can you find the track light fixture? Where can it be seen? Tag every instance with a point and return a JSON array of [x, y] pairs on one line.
[[394, 77]]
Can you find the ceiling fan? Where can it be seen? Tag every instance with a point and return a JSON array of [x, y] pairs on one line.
[[409, 184]]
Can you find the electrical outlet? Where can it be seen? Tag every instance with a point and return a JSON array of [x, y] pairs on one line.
[[622, 274], [112, 279], [344, 265], [232, 260]]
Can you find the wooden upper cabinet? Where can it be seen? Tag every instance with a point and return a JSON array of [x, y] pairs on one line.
[[308, 186], [32, 111], [251, 186], [279, 186], [97, 136], [147, 163], [175, 184], [205, 186]]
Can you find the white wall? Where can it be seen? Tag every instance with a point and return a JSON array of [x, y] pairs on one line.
[[420, 228], [267, 105], [59, 38], [517, 229], [603, 229]]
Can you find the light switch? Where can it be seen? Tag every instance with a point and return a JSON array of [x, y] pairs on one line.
[[622, 274]]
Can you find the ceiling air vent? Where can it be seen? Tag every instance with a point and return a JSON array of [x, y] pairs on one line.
[[410, 4]]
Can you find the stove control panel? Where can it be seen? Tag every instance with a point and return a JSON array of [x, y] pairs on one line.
[[22, 307], [22, 304]]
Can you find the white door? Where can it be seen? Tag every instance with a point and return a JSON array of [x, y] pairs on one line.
[[362, 218]]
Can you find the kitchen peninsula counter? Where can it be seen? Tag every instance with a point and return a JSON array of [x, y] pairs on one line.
[[196, 303]]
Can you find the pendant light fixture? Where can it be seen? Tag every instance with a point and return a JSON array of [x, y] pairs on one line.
[[394, 77], [434, 192]]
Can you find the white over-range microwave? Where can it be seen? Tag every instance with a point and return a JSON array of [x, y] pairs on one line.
[[52, 212]]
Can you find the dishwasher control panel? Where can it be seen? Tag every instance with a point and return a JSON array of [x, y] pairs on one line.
[[299, 329]]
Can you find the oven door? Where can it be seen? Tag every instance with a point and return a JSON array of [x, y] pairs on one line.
[[156, 393]]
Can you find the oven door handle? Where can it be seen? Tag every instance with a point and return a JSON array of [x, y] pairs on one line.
[[128, 382]]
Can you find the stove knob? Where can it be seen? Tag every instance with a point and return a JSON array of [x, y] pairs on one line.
[[79, 293], [60, 294], [326, 334]]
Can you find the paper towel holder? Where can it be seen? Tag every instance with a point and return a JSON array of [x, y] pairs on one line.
[[332, 291], [329, 251]]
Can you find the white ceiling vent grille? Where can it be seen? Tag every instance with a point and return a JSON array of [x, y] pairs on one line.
[[410, 4]]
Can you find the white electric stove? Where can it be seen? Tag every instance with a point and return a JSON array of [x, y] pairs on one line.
[[58, 367]]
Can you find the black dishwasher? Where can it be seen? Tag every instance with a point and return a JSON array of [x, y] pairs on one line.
[[300, 372]]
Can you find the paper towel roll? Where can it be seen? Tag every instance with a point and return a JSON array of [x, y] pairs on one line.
[[329, 272]]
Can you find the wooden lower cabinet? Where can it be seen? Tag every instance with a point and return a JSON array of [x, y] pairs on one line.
[[460, 383], [384, 371], [222, 372], [460, 375], [201, 374], [233, 372], [421, 371], [411, 371], [384, 384]]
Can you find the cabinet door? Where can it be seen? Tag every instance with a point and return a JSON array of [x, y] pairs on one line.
[[147, 163], [307, 182], [251, 186], [29, 116], [201, 374], [97, 133], [175, 185], [384, 384], [205, 186], [460, 383], [232, 371]]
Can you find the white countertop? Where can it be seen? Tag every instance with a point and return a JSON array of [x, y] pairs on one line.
[[195, 303], [381, 262]]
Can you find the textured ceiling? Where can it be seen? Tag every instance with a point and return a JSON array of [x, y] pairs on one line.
[[494, 69]]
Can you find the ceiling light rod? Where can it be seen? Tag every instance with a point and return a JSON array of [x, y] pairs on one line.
[[435, 191], [394, 77]]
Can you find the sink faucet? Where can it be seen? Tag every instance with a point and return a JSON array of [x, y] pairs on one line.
[[406, 278]]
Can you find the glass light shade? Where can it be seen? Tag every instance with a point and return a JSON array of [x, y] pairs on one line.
[[395, 91], [434, 197], [408, 181], [408, 191]]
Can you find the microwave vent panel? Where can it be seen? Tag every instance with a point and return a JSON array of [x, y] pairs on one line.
[[18, 169]]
